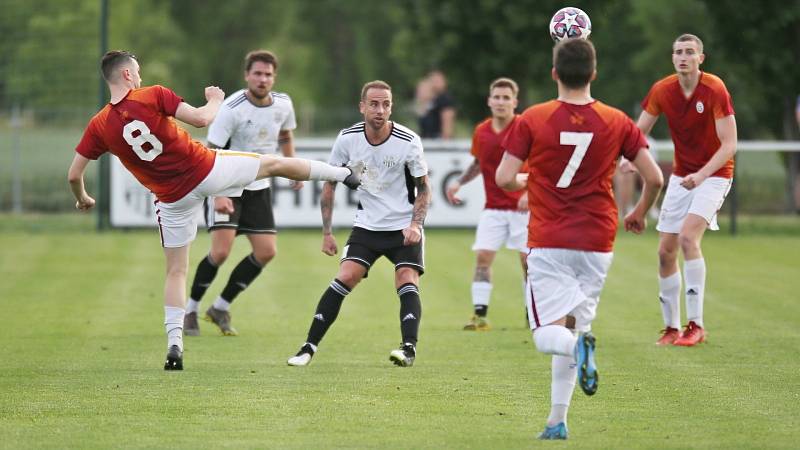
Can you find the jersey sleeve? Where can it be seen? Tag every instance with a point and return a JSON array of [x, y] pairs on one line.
[[339, 156], [475, 149], [723, 104], [651, 101], [221, 128], [290, 123], [518, 140], [168, 100], [91, 145], [633, 139], [415, 161]]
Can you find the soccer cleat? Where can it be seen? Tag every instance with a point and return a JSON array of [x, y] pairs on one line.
[[174, 359], [303, 357], [692, 335], [190, 325], [668, 336], [353, 181], [404, 356], [556, 432], [478, 323], [222, 319], [584, 358]]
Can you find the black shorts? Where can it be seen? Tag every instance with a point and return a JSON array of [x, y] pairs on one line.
[[365, 247], [252, 214]]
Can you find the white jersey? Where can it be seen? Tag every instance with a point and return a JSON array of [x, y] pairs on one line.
[[242, 126], [386, 195]]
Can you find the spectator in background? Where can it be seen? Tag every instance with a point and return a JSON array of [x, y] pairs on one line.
[[436, 107]]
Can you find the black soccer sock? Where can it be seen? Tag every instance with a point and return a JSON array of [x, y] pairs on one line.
[[327, 311], [410, 312], [203, 276], [481, 310], [243, 274]]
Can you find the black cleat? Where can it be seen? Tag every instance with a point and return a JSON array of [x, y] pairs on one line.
[[353, 181], [174, 359], [404, 356]]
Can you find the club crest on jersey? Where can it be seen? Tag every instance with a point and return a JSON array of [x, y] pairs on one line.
[[699, 107], [389, 162]]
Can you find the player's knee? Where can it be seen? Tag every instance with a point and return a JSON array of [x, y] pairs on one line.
[[667, 255], [689, 245], [219, 256], [265, 255], [405, 275]]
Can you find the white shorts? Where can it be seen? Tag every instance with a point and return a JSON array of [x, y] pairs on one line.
[[232, 171], [704, 201], [565, 282], [497, 227]]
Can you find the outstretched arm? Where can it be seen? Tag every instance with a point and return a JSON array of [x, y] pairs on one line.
[[468, 175], [326, 208], [75, 177], [636, 220], [413, 234], [204, 115]]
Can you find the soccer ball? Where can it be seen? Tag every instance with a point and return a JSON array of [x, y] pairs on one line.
[[568, 23]]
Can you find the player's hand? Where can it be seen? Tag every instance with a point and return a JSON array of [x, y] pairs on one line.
[[85, 203], [522, 178], [522, 203], [296, 185], [214, 93], [223, 205], [412, 235], [451, 191], [635, 222], [692, 180], [329, 245]]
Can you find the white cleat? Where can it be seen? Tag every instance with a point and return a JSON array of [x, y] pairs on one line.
[[303, 357]]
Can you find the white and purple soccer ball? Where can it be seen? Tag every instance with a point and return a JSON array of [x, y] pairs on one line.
[[570, 22]]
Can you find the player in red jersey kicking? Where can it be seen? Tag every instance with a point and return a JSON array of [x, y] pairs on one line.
[[572, 145], [138, 127], [701, 121], [504, 219]]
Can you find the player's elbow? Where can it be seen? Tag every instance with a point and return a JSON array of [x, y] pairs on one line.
[[504, 181], [655, 179]]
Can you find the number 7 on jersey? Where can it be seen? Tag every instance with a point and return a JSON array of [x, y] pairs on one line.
[[581, 142]]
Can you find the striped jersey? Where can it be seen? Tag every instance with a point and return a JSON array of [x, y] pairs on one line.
[[243, 126], [387, 192]]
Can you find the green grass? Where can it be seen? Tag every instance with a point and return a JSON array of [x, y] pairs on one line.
[[82, 346]]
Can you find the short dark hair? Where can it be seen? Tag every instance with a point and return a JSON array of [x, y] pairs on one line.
[[575, 61], [506, 83], [686, 37], [265, 56], [376, 84], [113, 60]]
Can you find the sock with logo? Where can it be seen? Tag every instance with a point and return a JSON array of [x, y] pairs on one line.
[[327, 311], [203, 276], [564, 374], [694, 271], [243, 274], [481, 294], [410, 312], [669, 294]]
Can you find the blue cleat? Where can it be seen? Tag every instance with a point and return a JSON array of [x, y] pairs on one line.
[[555, 432], [584, 357]]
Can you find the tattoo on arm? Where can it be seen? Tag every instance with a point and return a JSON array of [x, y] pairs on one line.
[[326, 206], [286, 142], [422, 200], [472, 171]]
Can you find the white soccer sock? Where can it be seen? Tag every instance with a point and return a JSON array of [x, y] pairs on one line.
[[669, 294], [192, 306], [694, 271], [481, 292], [326, 172], [173, 323], [555, 340], [221, 304], [564, 373]]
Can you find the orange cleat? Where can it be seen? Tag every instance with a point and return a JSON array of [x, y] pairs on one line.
[[692, 335], [668, 336]]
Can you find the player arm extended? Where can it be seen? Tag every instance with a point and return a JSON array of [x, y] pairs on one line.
[[653, 181], [468, 175], [508, 176], [203, 116], [75, 177]]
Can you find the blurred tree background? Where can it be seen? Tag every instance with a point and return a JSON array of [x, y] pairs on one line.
[[328, 48]]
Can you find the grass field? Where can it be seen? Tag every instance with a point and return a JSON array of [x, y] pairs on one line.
[[82, 343]]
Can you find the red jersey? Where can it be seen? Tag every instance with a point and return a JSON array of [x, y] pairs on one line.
[[141, 132], [487, 150], [692, 121], [572, 152]]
